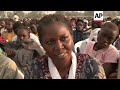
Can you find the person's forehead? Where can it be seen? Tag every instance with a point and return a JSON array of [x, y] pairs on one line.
[[55, 31], [23, 31], [56, 25]]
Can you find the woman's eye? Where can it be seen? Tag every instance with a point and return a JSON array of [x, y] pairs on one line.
[[63, 38], [50, 42]]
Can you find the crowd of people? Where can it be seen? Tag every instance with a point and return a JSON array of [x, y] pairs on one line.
[[58, 47]]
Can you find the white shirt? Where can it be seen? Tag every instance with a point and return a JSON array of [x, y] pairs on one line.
[[54, 72], [16, 18]]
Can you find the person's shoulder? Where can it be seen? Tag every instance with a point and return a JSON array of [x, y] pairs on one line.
[[6, 61], [90, 43], [112, 47], [96, 29], [7, 67], [33, 35], [4, 58]]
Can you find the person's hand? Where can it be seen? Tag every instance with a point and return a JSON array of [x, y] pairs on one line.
[[9, 51]]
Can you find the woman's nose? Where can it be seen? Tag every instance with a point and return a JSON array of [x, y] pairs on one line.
[[58, 45]]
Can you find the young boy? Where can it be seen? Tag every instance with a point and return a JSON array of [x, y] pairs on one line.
[[103, 50]]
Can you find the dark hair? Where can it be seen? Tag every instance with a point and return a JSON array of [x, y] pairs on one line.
[[110, 26], [10, 20], [23, 27], [79, 20], [50, 19], [16, 25], [33, 31]]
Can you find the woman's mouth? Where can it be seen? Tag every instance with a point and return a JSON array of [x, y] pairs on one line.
[[61, 55]]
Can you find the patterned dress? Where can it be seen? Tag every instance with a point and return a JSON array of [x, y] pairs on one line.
[[87, 68]]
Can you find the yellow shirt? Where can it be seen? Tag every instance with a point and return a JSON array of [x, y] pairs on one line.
[[8, 35]]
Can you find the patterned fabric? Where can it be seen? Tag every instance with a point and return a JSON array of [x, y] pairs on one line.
[[87, 68]]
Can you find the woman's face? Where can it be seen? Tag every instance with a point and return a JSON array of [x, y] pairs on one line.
[[22, 35], [57, 41], [105, 38], [79, 26]]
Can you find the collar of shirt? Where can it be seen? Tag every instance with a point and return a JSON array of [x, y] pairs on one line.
[[54, 72]]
